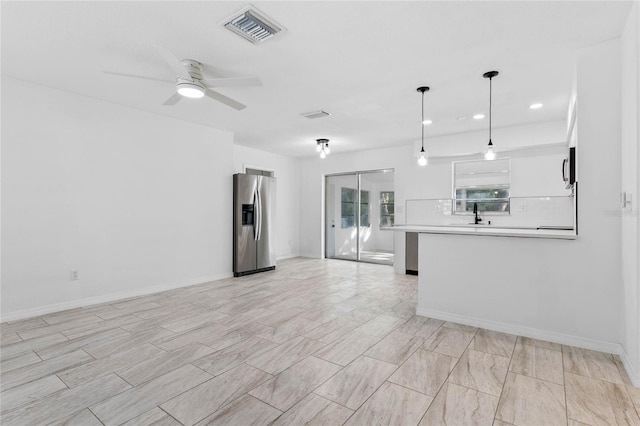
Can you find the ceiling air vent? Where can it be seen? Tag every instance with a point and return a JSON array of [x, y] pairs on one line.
[[316, 114], [253, 25]]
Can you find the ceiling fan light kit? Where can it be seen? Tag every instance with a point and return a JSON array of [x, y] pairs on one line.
[[190, 84]]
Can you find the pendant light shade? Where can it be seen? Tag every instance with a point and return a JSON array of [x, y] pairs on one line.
[[423, 157], [490, 153]]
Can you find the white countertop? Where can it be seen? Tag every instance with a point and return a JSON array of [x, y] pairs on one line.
[[486, 230]]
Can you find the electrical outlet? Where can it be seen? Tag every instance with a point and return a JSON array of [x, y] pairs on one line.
[[522, 207], [75, 275]]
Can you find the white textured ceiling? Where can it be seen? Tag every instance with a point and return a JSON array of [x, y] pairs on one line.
[[362, 61]]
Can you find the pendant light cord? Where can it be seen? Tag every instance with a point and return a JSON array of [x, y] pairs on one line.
[[423, 120], [490, 103]]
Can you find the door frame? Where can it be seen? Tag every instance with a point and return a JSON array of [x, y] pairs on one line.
[[357, 174]]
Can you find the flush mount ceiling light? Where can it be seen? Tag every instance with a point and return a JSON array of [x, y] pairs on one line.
[[423, 158], [323, 147], [537, 105], [427, 122], [478, 116], [490, 154]]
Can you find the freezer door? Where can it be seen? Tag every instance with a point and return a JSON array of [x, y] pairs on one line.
[[245, 189], [266, 256]]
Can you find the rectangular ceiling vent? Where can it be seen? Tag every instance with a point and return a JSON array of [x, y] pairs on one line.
[[253, 25], [316, 114]]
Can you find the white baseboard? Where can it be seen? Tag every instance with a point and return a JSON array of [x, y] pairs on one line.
[[79, 303], [286, 256], [535, 333], [632, 372]]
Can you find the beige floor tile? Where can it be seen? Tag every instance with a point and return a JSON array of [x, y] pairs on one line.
[[105, 366], [623, 371], [333, 330], [162, 363], [462, 327], [584, 362], [634, 393], [538, 362], [175, 341], [208, 397], [20, 348], [494, 342], [480, 371], [395, 348], [9, 338], [32, 372], [81, 418], [244, 411], [392, 405], [289, 329], [27, 358], [456, 405], [232, 356], [347, 348], [153, 417], [597, 402], [133, 402], [194, 321], [314, 410], [529, 401], [105, 337], [357, 382], [61, 405], [284, 356], [293, 384], [449, 341], [497, 422], [540, 343], [380, 326], [30, 392], [424, 371]]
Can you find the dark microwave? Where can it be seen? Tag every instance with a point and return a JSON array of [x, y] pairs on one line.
[[569, 168]]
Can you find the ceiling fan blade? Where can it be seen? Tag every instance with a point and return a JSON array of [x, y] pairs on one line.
[[174, 99], [225, 100], [173, 61], [142, 77], [232, 82]]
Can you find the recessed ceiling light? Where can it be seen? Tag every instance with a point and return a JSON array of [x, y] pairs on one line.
[[536, 106], [478, 116], [427, 122]]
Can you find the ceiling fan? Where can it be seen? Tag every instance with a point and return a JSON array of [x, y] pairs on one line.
[[189, 82]]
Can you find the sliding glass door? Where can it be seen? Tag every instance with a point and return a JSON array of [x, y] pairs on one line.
[[357, 204]]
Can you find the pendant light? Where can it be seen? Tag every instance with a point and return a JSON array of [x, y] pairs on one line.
[[322, 146], [423, 158], [489, 153]]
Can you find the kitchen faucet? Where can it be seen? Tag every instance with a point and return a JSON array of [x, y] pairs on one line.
[[475, 212]]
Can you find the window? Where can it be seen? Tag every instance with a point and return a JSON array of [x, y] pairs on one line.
[[349, 208], [386, 208], [482, 183]]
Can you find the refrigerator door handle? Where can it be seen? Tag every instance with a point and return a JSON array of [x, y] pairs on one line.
[[256, 216], [259, 216]]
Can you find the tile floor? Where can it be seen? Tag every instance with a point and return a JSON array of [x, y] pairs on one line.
[[314, 342]]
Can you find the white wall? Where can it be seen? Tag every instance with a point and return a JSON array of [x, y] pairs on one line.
[[630, 79], [135, 202], [286, 170]]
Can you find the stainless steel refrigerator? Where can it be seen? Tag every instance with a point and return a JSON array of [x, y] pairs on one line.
[[253, 219]]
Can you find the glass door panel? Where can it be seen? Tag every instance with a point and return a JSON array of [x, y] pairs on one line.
[[376, 210], [341, 220]]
